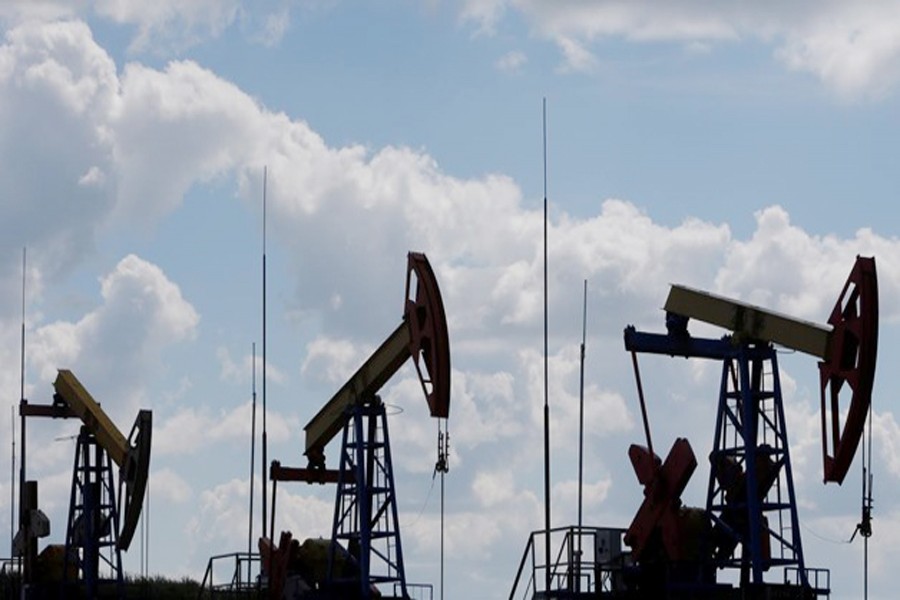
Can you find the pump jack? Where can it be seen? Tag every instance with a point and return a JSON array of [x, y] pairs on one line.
[[97, 521], [365, 550], [751, 506], [749, 523]]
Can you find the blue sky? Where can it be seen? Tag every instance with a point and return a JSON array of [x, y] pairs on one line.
[[746, 149]]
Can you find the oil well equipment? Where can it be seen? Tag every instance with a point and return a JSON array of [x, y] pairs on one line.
[[364, 556], [749, 525], [103, 514]]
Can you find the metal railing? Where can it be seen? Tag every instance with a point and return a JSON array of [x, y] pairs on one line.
[[588, 561], [244, 572], [818, 579], [10, 577], [416, 591]]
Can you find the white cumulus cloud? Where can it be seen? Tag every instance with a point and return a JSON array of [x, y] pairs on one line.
[[852, 48]]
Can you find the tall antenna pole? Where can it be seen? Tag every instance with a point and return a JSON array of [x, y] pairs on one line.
[[581, 404], [22, 353], [581, 430], [12, 481], [546, 391], [265, 463], [252, 456], [21, 403]]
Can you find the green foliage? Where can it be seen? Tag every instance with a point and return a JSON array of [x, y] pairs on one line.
[[160, 587], [136, 588]]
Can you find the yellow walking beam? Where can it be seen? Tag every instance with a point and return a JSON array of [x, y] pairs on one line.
[[364, 384], [750, 321], [83, 405]]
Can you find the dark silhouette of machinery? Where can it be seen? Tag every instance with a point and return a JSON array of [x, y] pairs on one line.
[[365, 552], [749, 524], [102, 517]]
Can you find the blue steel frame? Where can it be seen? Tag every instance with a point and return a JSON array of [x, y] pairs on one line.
[[365, 511], [93, 523], [750, 432]]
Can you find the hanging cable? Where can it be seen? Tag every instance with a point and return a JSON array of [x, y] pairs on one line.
[[426, 501]]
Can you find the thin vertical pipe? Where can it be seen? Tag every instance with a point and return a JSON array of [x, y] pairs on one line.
[[12, 481], [252, 453], [143, 520], [442, 467], [147, 552], [867, 507]]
